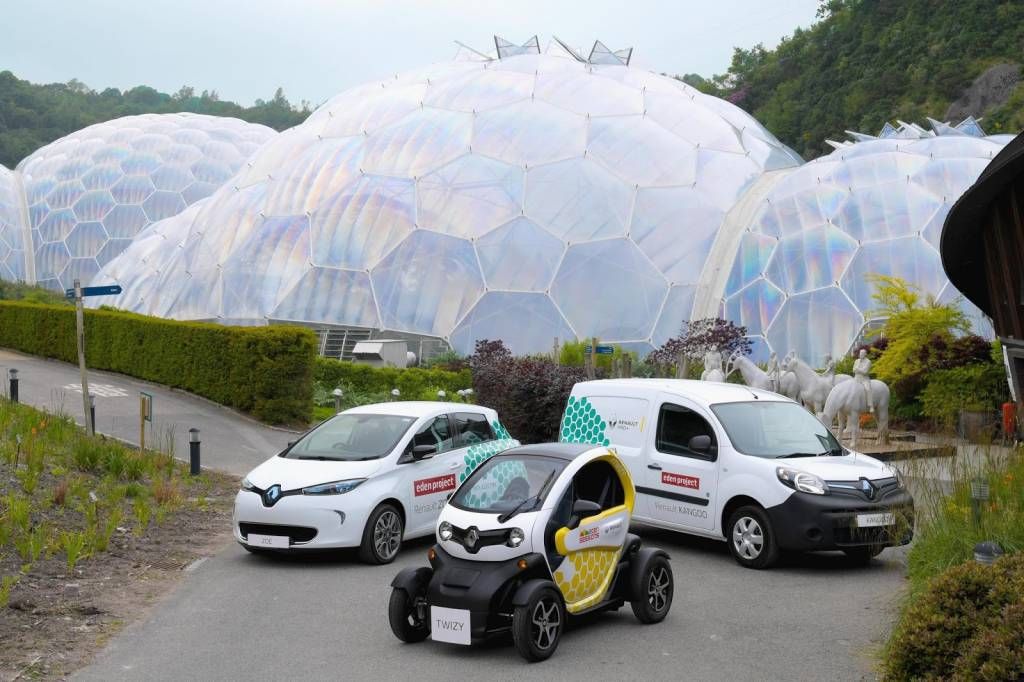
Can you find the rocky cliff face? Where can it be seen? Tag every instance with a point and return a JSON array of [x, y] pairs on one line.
[[989, 90]]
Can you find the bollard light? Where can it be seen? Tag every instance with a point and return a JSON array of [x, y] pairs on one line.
[[441, 395], [979, 494], [92, 412], [12, 375], [337, 393], [193, 451], [987, 552], [395, 393]]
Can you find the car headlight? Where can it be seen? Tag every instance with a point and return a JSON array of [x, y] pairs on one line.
[[247, 484], [802, 481], [515, 537], [444, 531], [334, 488], [898, 475]]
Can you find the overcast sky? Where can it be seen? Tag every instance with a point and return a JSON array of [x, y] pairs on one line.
[[314, 49]]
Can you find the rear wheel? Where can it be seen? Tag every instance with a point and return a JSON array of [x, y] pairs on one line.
[[537, 625], [653, 591], [863, 555], [408, 615], [751, 538], [382, 536]]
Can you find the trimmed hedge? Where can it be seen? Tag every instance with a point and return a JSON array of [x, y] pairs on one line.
[[266, 371], [411, 381]]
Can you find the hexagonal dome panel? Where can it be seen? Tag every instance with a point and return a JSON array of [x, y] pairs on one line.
[[500, 315], [815, 324], [812, 259], [519, 255], [910, 258], [470, 196], [578, 200], [609, 289]]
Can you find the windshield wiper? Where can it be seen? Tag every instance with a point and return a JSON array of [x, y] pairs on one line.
[[319, 458], [536, 498], [801, 454]]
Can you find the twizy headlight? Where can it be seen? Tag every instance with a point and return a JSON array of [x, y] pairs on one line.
[[515, 537], [247, 484], [444, 531], [334, 488], [802, 481]]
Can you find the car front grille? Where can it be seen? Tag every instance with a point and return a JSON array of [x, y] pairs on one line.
[[297, 534], [880, 488]]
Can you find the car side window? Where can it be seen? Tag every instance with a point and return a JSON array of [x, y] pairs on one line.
[[598, 482], [437, 433], [677, 428], [471, 428]]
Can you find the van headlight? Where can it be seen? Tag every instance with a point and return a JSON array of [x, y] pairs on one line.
[[444, 531], [802, 481], [515, 537], [901, 482], [334, 488], [247, 484]]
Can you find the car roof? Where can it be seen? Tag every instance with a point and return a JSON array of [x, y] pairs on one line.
[[417, 408], [566, 451], [705, 392]]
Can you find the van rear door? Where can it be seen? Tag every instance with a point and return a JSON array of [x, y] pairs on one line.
[[680, 480]]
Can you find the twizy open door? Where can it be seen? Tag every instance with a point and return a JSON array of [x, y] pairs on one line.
[[537, 534]]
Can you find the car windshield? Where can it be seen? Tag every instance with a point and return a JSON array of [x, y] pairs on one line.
[[352, 437], [774, 430], [505, 484]]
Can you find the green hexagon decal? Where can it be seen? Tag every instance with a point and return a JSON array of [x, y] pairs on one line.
[[581, 423]]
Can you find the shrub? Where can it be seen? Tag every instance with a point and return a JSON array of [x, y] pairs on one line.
[[528, 393], [266, 371], [967, 607], [73, 545], [378, 381], [88, 454], [980, 387]]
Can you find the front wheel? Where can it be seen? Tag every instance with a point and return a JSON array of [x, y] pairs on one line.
[[408, 616], [652, 591], [382, 536], [862, 556], [537, 625], [751, 538]]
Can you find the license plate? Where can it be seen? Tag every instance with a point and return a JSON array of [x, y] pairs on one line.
[[875, 520], [273, 541], [449, 625]]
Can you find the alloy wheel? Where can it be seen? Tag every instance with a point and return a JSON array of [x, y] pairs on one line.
[[387, 535], [657, 589], [546, 621]]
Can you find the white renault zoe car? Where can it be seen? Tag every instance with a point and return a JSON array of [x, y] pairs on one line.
[[368, 477]]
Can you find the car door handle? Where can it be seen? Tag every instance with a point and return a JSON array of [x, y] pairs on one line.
[[454, 465], [656, 467]]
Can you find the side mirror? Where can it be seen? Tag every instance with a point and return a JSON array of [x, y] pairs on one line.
[[580, 510], [421, 451], [700, 443]]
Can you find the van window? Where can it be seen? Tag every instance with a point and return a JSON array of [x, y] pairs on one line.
[[435, 432], [676, 426], [471, 428]]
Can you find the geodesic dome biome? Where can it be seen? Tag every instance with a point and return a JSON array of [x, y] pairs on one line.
[[87, 195], [523, 198]]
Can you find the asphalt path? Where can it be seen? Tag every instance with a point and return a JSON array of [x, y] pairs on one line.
[[229, 441], [239, 616]]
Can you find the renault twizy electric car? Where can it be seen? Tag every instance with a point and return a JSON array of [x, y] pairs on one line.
[[536, 534]]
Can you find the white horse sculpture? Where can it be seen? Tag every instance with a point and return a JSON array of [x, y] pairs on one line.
[[814, 388], [848, 401], [753, 376]]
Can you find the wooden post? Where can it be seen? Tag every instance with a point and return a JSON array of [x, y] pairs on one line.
[[556, 351], [142, 424], [627, 360], [593, 358], [90, 428]]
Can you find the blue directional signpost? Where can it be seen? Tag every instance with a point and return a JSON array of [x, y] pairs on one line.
[[77, 294]]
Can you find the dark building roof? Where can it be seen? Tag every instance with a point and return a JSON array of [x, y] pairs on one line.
[[961, 245]]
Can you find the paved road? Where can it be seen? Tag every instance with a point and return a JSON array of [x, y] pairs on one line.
[[230, 442], [238, 616]]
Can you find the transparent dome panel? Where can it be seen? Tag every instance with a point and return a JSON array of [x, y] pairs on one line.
[[500, 315], [911, 259], [677, 309], [812, 259], [641, 152], [520, 256], [470, 196], [341, 296], [578, 200], [836, 325], [529, 133], [675, 227], [751, 260], [755, 307]]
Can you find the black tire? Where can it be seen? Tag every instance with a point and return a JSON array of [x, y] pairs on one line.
[[653, 586], [862, 556], [537, 626], [751, 538], [382, 536], [402, 614]]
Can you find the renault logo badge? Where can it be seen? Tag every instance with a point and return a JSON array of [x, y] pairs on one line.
[[472, 537], [868, 488], [272, 495]]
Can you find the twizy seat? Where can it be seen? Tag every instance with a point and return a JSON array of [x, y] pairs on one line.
[[534, 536]]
